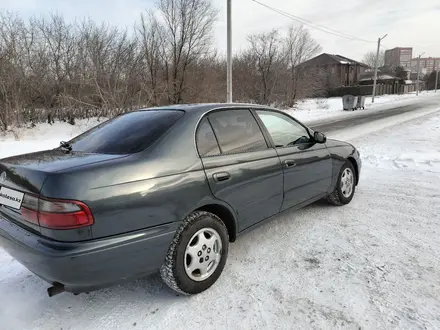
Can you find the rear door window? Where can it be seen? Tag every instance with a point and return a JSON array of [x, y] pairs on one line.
[[129, 133], [237, 131]]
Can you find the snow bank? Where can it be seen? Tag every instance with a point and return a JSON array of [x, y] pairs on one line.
[[44, 131], [42, 136], [322, 108]]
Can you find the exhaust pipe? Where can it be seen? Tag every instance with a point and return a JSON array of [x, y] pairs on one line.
[[57, 288]]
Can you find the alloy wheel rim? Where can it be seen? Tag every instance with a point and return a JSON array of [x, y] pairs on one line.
[[203, 254], [347, 182]]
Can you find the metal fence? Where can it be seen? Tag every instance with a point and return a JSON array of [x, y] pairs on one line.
[[381, 89]]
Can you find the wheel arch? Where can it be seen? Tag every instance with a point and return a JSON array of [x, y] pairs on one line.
[[226, 215], [356, 168]]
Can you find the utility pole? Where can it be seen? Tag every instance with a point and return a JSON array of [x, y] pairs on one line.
[[229, 54], [418, 73], [375, 66], [436, 80]]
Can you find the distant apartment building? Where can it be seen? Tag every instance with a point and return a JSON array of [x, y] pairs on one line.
[[427, 64], [399, 56]]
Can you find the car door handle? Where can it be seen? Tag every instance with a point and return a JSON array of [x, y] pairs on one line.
[[221, 176], [289, 163]]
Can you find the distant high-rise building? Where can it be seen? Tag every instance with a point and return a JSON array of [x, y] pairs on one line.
[[427, 64], [399, 56]]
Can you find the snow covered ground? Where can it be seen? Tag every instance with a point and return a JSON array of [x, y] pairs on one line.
[[373, 264], [43, 136], [323, 108]]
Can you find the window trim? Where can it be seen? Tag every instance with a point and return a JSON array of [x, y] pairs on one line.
[[215, 135], [229, 108], [272, 143], [199, 124]]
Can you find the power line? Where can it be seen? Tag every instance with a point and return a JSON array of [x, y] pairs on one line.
[[311, 24]]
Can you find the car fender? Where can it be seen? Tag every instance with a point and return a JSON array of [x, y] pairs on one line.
[[340, 152]]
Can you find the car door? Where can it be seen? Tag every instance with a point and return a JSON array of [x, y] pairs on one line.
[[307, 165], [242, 170]]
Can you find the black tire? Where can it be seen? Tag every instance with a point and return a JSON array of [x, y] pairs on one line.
[[173, 271], [337, 197]]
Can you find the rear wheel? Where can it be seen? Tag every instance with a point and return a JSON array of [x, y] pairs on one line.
[[345, 187], [197, 254]]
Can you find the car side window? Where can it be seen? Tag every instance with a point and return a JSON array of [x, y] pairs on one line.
[[285, 131], [237, 131], [206, 141]]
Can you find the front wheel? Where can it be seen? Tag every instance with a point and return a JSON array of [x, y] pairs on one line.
[[197, 254], [345, 186]]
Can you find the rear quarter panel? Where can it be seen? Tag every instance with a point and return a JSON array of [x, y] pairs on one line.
[[146, 203]]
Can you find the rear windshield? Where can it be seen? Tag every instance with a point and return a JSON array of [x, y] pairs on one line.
[[128, 133]]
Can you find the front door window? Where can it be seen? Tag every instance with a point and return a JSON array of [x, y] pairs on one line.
[[285, 131]]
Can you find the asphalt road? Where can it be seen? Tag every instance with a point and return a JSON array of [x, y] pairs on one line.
[[367, 116]]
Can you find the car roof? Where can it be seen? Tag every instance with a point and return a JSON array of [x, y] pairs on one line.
[[203, 107]]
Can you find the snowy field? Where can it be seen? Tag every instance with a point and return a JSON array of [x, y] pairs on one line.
[[373, 264]]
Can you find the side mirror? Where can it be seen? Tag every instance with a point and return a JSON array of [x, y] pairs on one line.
[[320, 137]]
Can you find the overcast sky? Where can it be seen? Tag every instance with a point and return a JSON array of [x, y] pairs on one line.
[[409, 23]]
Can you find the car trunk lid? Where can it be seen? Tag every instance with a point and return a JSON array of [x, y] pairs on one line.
[[22, 178]]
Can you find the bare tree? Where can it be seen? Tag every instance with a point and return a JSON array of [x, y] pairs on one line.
[[151, 36], [370, 59], [265, 50], [54, 69], [188, 27], [246, 80], [12, 82], [58, 44], [300, 47]]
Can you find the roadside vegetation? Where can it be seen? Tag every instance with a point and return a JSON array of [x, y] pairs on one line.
[[54, 69]]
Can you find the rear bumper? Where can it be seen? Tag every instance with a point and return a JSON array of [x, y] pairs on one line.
[[89, 265]]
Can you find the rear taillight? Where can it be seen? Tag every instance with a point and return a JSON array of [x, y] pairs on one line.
[[63, 214], [29, 208], [56, 214]]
